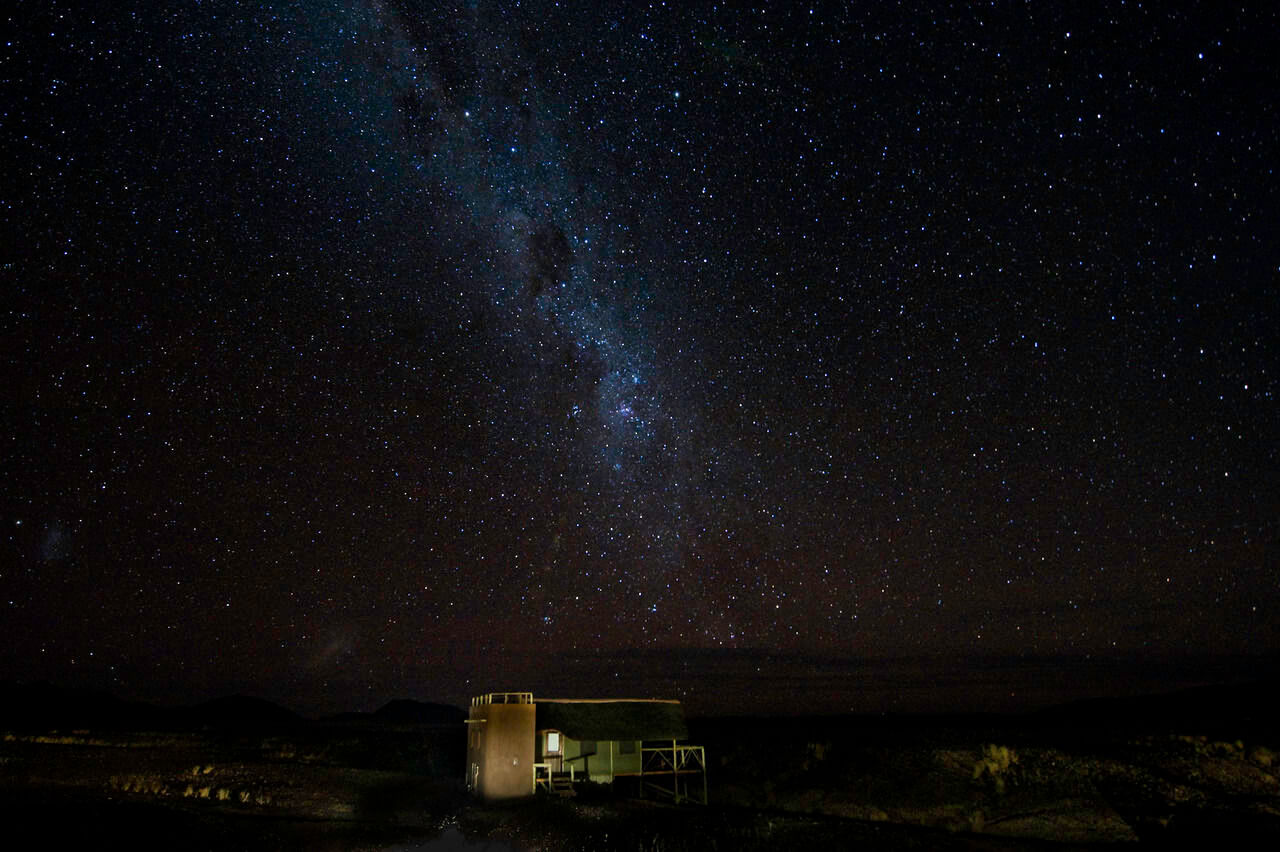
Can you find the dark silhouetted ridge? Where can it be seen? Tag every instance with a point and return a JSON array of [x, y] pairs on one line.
[[43, 706], [241, 711], [1241, 709], [404, 711]]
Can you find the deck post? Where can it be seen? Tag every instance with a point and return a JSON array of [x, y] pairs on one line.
[[675, 770]]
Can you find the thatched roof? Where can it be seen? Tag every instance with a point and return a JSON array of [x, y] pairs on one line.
[[613, 720]]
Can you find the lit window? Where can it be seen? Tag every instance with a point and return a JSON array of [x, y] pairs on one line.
[[553, 742]]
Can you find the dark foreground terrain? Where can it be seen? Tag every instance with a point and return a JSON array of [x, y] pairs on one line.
[[1177, 773]]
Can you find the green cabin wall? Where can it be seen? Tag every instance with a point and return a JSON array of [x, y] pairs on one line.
[[600, 767]]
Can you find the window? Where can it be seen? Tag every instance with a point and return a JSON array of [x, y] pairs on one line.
[[627, 747], [588, 747], [553, 742]]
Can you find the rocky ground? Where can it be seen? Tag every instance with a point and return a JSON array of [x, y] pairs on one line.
[[834, 783], [1035, 781]]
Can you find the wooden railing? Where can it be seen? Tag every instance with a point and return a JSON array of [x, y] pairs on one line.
[[676, 763], [542, 777], [502, 698]]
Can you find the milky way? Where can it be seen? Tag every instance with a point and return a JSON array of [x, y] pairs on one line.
[[389, 348], [527, 213]]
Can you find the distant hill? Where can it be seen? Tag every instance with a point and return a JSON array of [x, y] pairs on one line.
[[1225, 710], [239, 711], [43, 706], [403, 711]]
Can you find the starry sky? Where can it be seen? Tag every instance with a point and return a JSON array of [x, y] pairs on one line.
[[829, 356]]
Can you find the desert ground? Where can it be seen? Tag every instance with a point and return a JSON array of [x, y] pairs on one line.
[[1171, 772]]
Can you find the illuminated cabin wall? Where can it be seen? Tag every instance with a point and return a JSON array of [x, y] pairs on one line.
[[502, 749]]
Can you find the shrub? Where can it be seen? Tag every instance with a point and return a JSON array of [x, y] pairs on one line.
[[995, 763]]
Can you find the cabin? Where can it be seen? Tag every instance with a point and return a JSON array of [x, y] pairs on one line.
[[517, 746]]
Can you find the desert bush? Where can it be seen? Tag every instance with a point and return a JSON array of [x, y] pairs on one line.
[[223, 794], [995, 763], [276, 748], [1226, 749], [56, 738], [150, 784]]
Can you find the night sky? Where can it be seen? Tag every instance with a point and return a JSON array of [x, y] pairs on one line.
[[872, 356]]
